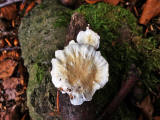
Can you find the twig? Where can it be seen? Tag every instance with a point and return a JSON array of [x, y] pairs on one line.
[[126, 88], [5, 33], [9, 49], [8, 2]]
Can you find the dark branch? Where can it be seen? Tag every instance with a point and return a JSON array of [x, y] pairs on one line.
[[125, 89]]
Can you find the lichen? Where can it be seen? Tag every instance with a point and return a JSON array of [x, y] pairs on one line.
[[39, 39]]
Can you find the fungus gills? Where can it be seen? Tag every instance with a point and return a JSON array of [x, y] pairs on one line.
[[79, 70]]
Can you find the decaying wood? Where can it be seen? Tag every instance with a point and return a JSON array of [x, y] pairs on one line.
[[77, 24], [125, 89], [86, 111]]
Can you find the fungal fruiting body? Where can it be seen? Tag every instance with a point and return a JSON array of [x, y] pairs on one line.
[[89, 37], [79, 70]]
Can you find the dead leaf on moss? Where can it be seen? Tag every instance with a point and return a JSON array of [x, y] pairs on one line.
[[9, 12], [113, 2], [151, 9], [10, 55], [7, 68]]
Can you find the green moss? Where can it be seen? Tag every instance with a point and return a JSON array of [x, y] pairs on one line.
[[63, 19], [108, 21], [40, 72], [120, 48], [108, 18], [39, 39]]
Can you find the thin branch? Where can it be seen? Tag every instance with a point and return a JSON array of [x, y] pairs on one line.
[[5, 33], [8, 2], [125, 89], [9, 49]]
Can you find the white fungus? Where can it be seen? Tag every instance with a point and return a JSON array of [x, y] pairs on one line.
[[89, 37], [79, 70]]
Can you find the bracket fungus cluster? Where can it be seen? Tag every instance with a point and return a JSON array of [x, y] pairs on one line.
[[79, 70]]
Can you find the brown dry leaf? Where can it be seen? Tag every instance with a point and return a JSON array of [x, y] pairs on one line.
[[151, 9], [38, 1], [29, 7], [113, 2], [10, 83], [9, 12], [146, 107], [7, 68], [10, 55]]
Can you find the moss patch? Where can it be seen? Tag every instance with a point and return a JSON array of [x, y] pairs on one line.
[[121, 44], [40, 72], [121, 49], [39, 38]]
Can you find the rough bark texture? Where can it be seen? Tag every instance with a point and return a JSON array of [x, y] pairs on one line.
[[86, 111], [77, 24]]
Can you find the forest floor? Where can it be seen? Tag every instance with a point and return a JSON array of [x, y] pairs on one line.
[[136, 42]]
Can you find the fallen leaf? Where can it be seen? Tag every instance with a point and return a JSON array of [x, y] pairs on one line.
[[113, 2], [9, 12], [10, 55], [29, 7], [10, 83], [151, 9], [7, 68]]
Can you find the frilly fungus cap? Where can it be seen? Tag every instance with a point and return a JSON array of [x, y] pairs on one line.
[[89, 37], [79, 70]]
